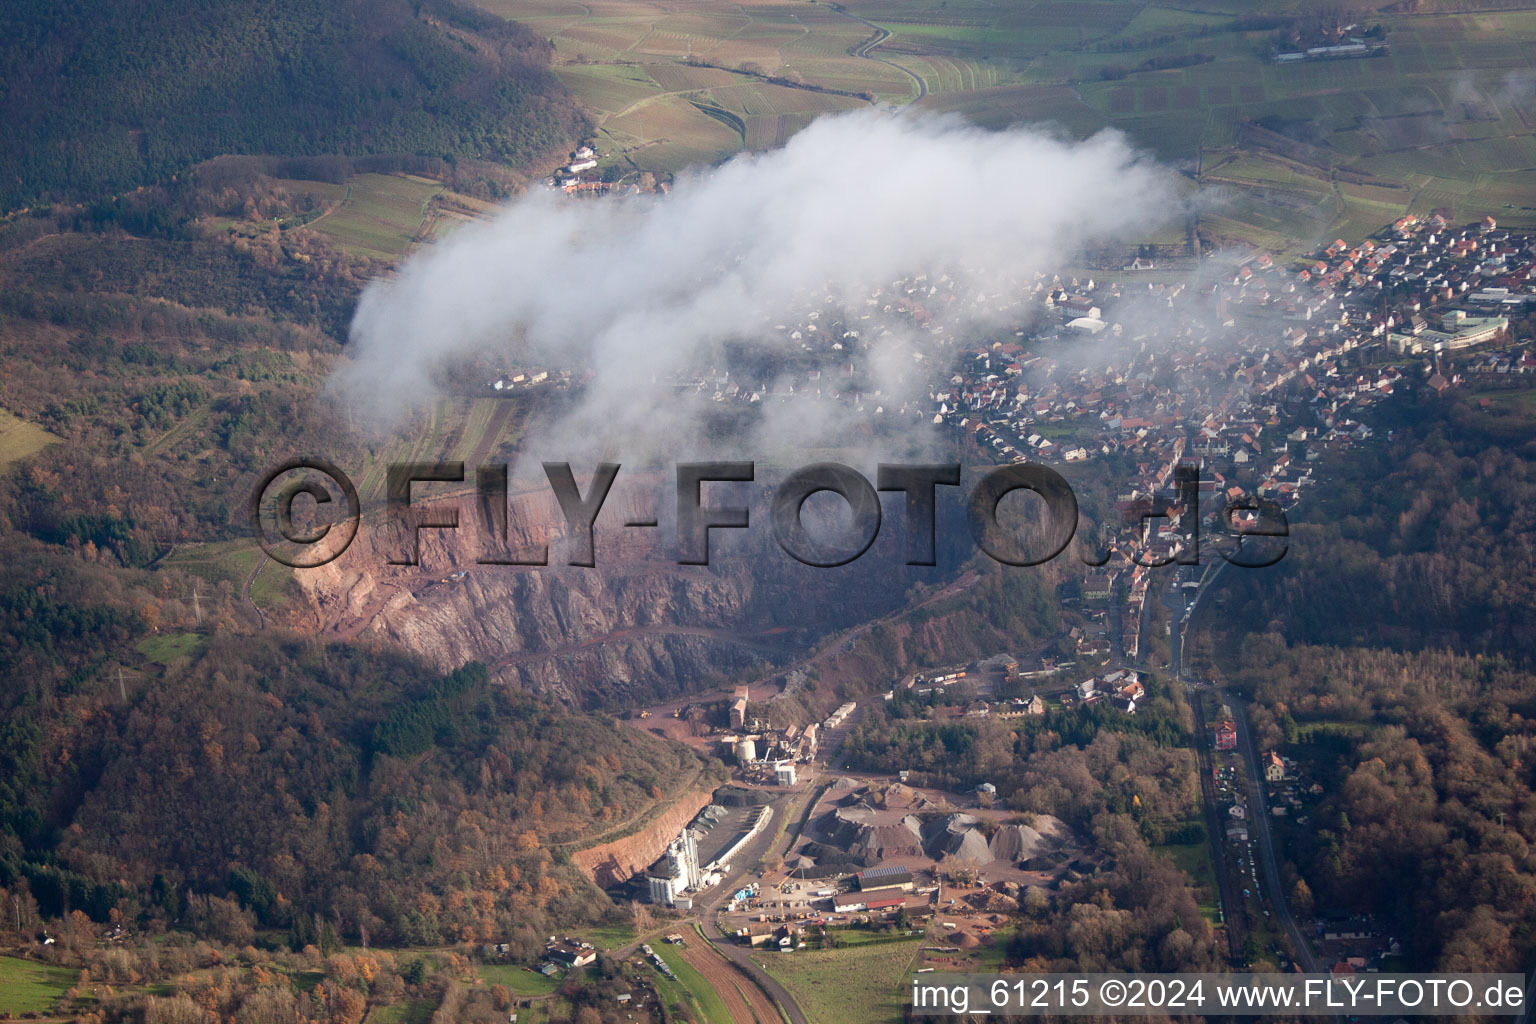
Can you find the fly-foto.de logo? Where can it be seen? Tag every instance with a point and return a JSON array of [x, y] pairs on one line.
[[306, 513]]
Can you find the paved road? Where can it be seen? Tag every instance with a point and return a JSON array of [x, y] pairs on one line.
[[1259, 818], [881, 35], [1233, 910], [708, 914], [1259, 823]]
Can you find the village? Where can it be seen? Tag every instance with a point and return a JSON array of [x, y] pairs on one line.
[[1242, 376], [1266, 372]]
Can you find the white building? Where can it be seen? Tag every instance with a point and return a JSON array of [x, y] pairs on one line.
[[784, 773], [677, 870]]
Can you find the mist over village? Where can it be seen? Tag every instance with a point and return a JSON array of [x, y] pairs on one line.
[[834, 513]]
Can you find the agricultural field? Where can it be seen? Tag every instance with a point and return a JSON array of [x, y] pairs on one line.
[[411, 1011], [1282, 154], [228, 564], [166, 648], [860, 984], [690, 988], [1277, 156], [1446, 119], [471, 430], [20, 439], [380, 215], [31, 988]]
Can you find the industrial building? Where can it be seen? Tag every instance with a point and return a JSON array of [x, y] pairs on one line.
[[885, 877], [874, 899], [677, 870]]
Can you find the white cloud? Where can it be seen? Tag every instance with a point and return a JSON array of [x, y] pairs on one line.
[[639, 287]]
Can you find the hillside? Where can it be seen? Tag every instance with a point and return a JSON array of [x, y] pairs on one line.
[[1412, 712], [301, 778], [103, 97]]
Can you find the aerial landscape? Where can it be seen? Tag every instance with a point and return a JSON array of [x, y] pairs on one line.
[[521, 509]]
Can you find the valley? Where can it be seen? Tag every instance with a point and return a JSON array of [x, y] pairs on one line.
[[461, 790]]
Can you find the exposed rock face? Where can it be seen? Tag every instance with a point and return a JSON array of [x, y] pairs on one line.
[[637, 627], [615, 862]]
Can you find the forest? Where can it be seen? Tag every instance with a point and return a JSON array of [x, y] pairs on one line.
[[1413, 713], [102, 97], [191, 810], [1429, 540], [1134, 914], [264, 781]]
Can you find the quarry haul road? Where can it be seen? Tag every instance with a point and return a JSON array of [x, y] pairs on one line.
[[246, 592], [847, 637]]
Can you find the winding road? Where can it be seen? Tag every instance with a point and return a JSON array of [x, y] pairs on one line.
[[757, 987], [865, 49]]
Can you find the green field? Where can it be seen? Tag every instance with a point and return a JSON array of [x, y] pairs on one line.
[[609, 936], [20, 439], [1284, 153], [27, 987], [232, 562], [856, 985], [520, 980], [690, 988], [381, 214], [166, 648], [412, 1011]]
